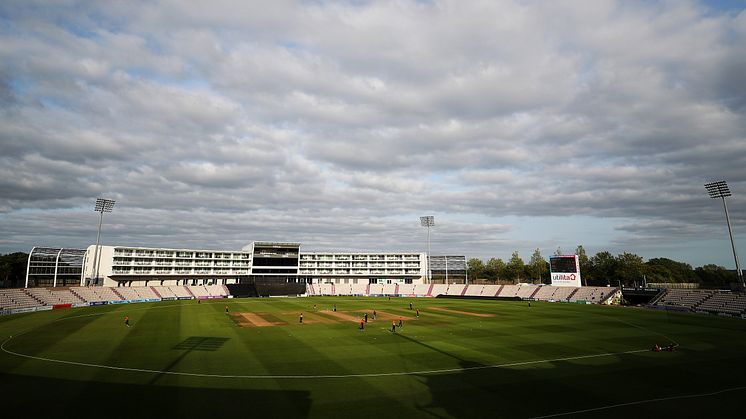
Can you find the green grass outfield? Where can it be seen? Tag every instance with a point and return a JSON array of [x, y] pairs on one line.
[[461, 358]]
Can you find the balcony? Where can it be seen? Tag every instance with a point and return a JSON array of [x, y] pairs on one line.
[[120, 262]]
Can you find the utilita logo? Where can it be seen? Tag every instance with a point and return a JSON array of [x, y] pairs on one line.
[[564, 277]]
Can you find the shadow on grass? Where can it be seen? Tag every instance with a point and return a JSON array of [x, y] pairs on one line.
[[201, 343], [80, 399], [192, 343], [605, 388]]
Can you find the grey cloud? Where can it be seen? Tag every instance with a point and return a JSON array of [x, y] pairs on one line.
[[332, 123]]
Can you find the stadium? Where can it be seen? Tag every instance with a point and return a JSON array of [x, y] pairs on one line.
[[256, 171], [341, 340]]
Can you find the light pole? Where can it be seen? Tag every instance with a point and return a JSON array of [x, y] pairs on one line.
[[428, 221], [720, 190], [102, 205]]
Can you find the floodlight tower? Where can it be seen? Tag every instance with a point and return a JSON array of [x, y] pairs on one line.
[[102, 205], [428, 221], [720, 190]]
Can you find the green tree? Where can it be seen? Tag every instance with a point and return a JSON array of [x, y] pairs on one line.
[[667, 270], [603, 268], [13, 269], [476, 269], [630, 268], [537, 266], [515, 268], [715, 275], [495, 268], [558, 252]]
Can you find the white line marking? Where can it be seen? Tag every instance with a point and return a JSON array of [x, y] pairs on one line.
[[660, 399], [302, 377]]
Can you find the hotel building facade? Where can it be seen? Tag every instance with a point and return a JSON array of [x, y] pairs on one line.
[[265, 261]]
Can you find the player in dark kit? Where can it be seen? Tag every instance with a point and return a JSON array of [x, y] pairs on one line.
[[393, 326], [418, 313], [300, 320], [400, 323], [366, 317], [374, 314], [226, 309], [127, 321], [362, 324]]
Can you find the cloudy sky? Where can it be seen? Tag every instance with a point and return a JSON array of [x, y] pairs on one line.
[[517, 124]]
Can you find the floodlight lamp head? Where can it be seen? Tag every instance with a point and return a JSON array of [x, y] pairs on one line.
[[718, 189], [427, 221], [104, 205]]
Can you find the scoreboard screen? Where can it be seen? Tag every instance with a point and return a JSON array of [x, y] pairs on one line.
[[563, 264], [565, 270]]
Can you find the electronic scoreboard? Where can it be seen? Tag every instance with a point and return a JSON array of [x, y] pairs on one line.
[[565, 270]]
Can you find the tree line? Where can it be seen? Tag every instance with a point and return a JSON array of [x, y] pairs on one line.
[[13, 270], [603, 268]]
